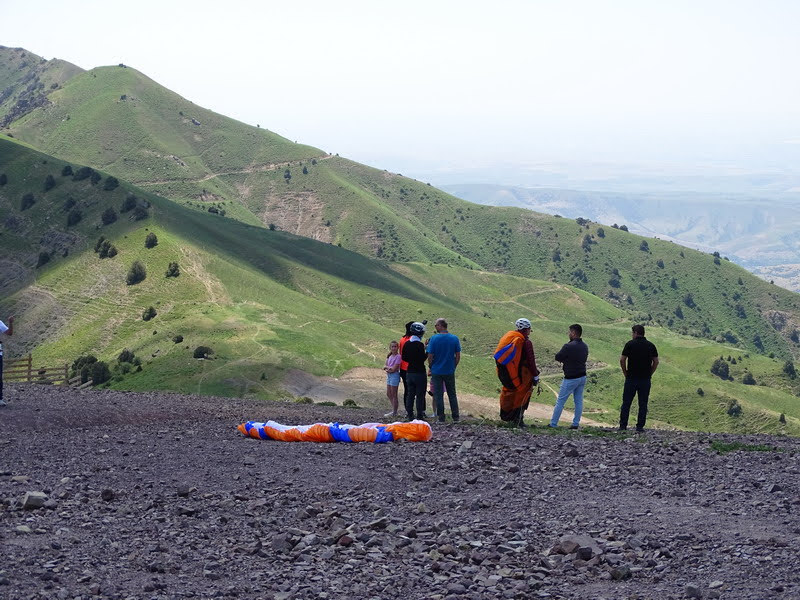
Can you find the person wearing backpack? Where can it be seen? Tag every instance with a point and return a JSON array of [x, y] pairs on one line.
[[516, 368]]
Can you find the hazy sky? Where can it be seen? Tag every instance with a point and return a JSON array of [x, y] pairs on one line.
[[692, 82]]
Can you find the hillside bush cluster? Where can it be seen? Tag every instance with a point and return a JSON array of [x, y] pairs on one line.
[[202, 352], [173, 270], [721, 369], [49, 183], [151, 240], [136, 274], [28, 200], [88, 367], [104, 248], [149, 313], [109, 216]]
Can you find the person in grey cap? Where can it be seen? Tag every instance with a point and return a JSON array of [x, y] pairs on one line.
[[415, 355]]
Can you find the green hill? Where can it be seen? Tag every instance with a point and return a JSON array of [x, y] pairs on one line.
[[118, 120], [269, 303], [26, 80]]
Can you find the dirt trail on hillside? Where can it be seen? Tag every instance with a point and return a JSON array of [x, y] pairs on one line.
[[367, 386], [246, 171]]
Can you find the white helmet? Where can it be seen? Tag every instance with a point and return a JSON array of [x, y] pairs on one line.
[[417, 328], [521, 324]]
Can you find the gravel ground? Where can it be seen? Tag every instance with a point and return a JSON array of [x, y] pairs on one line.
[[129, 495]]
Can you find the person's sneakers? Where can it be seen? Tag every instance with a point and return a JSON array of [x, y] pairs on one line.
[[573, 426], [3, 403], [640, 430], [390, 414]]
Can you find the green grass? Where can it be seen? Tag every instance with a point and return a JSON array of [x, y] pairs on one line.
[[721, 447]]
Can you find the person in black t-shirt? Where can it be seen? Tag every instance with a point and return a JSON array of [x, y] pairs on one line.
[[415, 355], [639, 361]]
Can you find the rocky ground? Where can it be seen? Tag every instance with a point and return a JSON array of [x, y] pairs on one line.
[[123, 495]]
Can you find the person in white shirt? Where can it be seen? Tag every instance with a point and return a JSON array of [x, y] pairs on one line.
[[9, 331]]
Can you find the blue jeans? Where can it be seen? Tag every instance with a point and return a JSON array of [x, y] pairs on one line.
[[574, 387], [440, 383]]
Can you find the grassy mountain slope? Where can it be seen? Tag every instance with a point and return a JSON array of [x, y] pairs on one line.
[[755, 232], [268, 302], [26, 79], [116, 119]]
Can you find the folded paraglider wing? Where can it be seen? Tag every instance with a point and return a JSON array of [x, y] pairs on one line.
[[413, 431]]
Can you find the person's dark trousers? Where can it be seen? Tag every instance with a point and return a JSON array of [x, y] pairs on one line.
[[1, 376], [417, 384], [440, 384], [632, 387], [403, 374]]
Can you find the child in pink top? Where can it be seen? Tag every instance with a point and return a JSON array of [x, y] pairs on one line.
[[392, 369]]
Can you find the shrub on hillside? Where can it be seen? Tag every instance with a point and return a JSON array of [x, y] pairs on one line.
[[788, 368], [177, 339], [688, 300], [139, 213], [104, 248], [66, 171], [782, 419], [149, 313], [128, 204], [748, 379], [95, 177], [126, 356], [136, 274], [151, 241], [74, 217], [173, 270], [82, 361], [3, 179], [601, 233], [69, 203], [721, 369], [644, 246], [349, 402], [27, 201], [82, 173], [111, 183], [109, 216], [49, 183], [700, 392], [202, 352], [44, 258], [734, 408], [99, 372], [623, 228]]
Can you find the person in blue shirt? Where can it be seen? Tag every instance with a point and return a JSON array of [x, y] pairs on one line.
[[444, 354]]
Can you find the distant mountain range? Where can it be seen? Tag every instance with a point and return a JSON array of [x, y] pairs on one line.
[[290, 258], [760, 234]]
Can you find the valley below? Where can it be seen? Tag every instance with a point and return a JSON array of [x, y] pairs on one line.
[[120, 494]]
